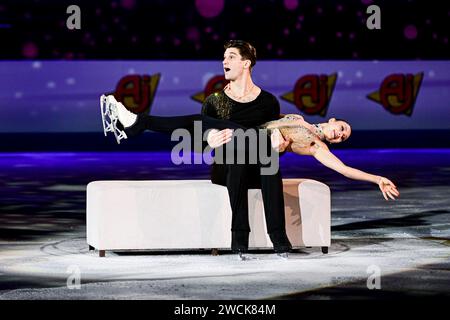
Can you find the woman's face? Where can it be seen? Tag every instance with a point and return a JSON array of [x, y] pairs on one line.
[[337, 131]]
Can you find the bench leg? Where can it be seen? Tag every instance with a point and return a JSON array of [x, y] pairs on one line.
[[324, 250], [101, 253], [214, 252], [91, 248]]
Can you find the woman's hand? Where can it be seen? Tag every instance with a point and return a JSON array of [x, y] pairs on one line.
[[388, 188], [278, 142], [217, 138]]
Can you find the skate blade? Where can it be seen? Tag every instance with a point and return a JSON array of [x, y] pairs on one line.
[[245, 257], [111, 113], [283, 256], [106, 121]]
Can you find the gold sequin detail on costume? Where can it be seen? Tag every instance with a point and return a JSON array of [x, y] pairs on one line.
[[301, 136], [222, 105]]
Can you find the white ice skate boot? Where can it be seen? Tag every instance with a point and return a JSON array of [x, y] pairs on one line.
[[115, 117]]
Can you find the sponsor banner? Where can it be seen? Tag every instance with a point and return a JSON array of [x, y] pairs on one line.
[[63, 96]]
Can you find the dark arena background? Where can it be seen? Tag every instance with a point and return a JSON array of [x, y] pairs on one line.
[[321, 59]]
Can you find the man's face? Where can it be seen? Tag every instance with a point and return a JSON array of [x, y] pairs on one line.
[[233, 65]]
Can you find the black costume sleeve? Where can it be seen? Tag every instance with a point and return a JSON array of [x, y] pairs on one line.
[[208, 107]]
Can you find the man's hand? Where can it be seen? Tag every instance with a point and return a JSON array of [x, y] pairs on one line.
[[278, 142], [388, 188], [217, 138]]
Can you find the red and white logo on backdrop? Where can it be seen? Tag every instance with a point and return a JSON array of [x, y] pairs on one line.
[[312, 93], [137, 92], [215, 84], [398, 93]]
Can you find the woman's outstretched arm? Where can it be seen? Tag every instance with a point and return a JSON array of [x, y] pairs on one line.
[[320, 151]]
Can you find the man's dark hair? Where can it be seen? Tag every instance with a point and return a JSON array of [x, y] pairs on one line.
[[247, 51]]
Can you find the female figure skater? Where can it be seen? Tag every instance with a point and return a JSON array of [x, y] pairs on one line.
[[289, 133]]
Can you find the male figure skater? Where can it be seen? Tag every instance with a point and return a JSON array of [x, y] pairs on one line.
[[241, 104], [246, 104]]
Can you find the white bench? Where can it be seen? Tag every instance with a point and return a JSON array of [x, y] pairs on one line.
[[196, 214]]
